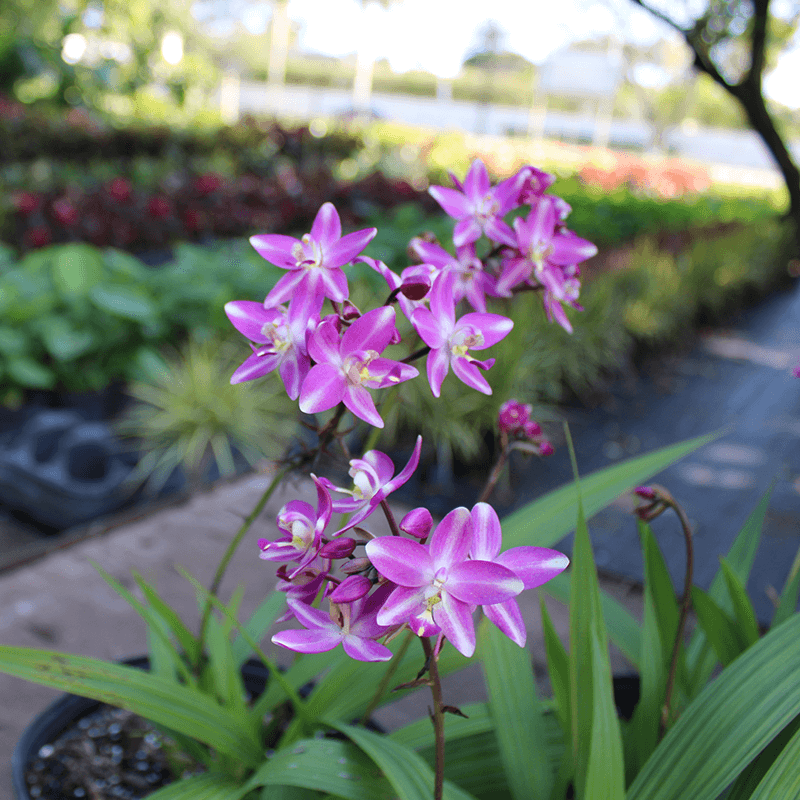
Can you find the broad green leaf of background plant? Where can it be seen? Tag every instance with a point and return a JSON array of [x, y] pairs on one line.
[[742, 607], [791, 589], [77, 268], [722, 631], [782, 782], [517, 713], [165, 702], [258, 624], [547, 520], [557, 669], [750, 702]]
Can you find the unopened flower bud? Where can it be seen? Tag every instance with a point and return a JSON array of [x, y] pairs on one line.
[[513, 415], [338, 548], [546, 449], [647, 492], [355, 566], [351, 589], [416, 288], [417, 523], [531, 429], [348, 312]]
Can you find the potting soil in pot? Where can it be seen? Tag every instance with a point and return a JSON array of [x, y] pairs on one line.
[[111, 754]]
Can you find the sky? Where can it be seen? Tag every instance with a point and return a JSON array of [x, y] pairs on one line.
[[437, 35]]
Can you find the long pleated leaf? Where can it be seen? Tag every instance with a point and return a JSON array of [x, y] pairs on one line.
[[621, 625], [751, 702], [700, 658], [782, 782], [743, 610], [605, 774], [333, 766], [722, 631], [545, 521], [163, 701], [518, 714], [410, 775], [557, 669], [209, 786], [791, 590], [258, 624]]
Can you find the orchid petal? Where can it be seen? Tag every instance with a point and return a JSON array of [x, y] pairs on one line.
[[304, 641], [348, 247], [323, 388], [454, 203], [499, 231], [438, 365], [467, 372], [493, 327], [406, 473], [255, 366], [286, 288], [466, 231], [533, 565], [334, 283], [452, 539], [326, 228], [487, 535], [401, 604], [483, 582], [277, 249], [372, 331], [569, 248], [324, 343], [359, 401], [365, 649], [427, 326], [249, 318], [406, 563], [455, 619], [508, 619], [476, 181]]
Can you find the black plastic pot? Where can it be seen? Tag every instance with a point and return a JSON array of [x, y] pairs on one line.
[[65, 712]]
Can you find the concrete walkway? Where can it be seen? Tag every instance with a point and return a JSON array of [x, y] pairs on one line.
[[61, 603]]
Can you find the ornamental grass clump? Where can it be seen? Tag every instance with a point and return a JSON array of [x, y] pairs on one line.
[[341, 583]]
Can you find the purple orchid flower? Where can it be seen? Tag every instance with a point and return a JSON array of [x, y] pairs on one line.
[[347, 367], [314, 263], [373, 481], [438, 587], [353, 625], [450, 341], [283, 344], [302, 530], [471, 281], [478, 207], [545, 250], [532, 565]]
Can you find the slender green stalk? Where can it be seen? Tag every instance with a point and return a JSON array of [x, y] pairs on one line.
[[387, 677], [226, 558], [438, 718]]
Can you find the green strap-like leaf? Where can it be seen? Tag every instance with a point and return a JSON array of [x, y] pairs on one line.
[[605, 774], [547, 520], [209, 786], [742, 607], [782, 782], [659, 583], [791, 590], [699, 654], [518, 715], [410, 776], [326, 765], [557, 669], [258, 624], [728, 724], [723, 633], [165, 702]]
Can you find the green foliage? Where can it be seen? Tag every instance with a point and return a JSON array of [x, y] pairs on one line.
[[187, 413]]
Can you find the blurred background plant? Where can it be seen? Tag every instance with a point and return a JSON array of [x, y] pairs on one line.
[[186, 413]]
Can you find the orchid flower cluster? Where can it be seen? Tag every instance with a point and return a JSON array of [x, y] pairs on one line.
[[428, 580]]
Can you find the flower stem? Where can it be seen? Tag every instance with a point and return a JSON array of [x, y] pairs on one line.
[[226, 558], [497, 470], [387, 677], [686, 602], [437, 716], [390, 518]]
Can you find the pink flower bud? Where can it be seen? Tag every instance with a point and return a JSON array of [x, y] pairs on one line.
[[546, 449], [351, 589], [513, 415], [349, 312], [531, 429], [356, 565], [417, 523], [338, 548], [416, 288], [647, 492]]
